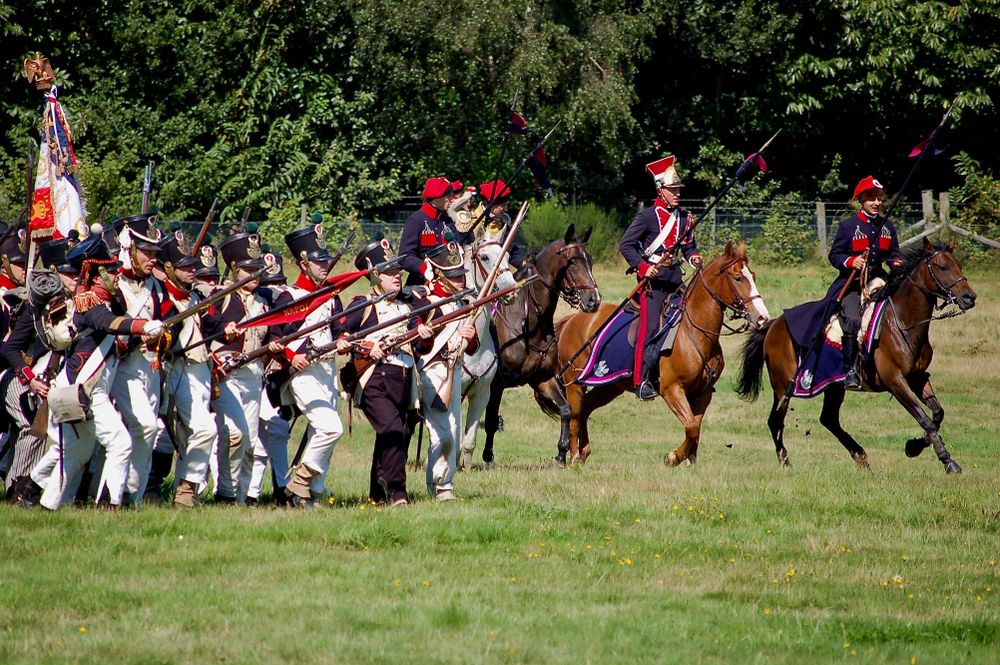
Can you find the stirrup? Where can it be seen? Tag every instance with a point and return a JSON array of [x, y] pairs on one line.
[[852, 381], [646, 391]]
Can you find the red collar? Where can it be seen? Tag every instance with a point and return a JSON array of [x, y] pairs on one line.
[[430, 210], [176, 292], [439, 290], [304, 283], [7, 283], [660, 203], [864, 216]]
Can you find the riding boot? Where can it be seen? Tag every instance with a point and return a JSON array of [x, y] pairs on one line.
[[850, 349], [158, 472], [646, 389]]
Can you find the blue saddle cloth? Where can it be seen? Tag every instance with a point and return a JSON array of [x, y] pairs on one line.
[[824, 366], [612, 355]]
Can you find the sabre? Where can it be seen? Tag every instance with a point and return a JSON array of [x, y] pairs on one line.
[[668, 254]]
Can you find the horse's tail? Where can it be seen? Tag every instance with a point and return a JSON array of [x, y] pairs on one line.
[[752, 370]]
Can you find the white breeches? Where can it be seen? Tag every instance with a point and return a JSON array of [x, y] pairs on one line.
[[191, 420], [136, 392], [270, 444], [315, 392], [444, 426], [237, 414]]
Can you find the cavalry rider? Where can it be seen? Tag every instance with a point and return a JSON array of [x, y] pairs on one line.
[[440, 373], [82, 325], [385, 389], [187, 383], [428, 228], [313, 387], [136, 386], [864, 242], [237, 403], [658, 231]]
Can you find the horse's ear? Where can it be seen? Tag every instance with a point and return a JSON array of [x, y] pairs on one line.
[[741, 249], [586, 235], [570, 234], [729, 248], [928, 247], [951, 245]]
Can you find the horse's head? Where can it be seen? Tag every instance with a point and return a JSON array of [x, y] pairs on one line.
[[482, 257], [729, 278], [566, 264], [938, 273]]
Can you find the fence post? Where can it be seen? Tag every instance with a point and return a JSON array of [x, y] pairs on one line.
[[821, 226], [304, 216], [943, 214], [927, 204]]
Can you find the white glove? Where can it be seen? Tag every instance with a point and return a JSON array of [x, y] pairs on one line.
[[152, 328]]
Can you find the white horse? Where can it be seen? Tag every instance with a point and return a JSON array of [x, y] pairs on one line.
[[478, 368]]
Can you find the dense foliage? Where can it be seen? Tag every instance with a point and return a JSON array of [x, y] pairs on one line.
[[343, 105]]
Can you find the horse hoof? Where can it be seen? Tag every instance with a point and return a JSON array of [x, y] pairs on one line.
[[559, 461], [952, 467], [783, 459], [916, 446], [489, 466], [861, 459], [671, 458]]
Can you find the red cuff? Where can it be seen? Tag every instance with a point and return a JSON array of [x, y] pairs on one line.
[[850, 261], [136, 326], [473, 344], [289, 354], [25, 376]]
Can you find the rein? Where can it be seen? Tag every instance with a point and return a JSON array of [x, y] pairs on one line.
[[941, 292], [738, 307], [569, 289]]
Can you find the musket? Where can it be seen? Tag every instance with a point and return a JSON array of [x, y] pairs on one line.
[[445, 319], [644, 280], [513, 176], [206, 225], [240, 359], [202, 305], [244, 218], [388, 323], [343, 249], [147, 187]]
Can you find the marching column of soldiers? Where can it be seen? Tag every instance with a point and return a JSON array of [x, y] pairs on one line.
[[125, 354]]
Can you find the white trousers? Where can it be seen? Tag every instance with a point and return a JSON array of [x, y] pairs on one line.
[[195, 433], [77, 446], [443, 426], [136, 392], [271, 444], [315, 392], [237, 415]]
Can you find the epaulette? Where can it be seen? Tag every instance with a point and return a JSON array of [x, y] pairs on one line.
[[86, 300]]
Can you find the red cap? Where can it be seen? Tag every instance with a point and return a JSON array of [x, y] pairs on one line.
[[456, 185], [436, 188], [867, 183], [494, 188]]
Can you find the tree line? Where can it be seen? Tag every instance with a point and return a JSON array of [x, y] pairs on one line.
[[344, 106]]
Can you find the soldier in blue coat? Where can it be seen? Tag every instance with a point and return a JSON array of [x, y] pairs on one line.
[[655, 231], [426, 229], [864, 242]]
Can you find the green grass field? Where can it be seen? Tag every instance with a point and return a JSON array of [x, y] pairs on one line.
[[622, 560]]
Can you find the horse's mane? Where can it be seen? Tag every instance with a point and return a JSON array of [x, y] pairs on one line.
[[912, 256]]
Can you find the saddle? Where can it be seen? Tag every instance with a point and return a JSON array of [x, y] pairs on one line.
[[872, 313]]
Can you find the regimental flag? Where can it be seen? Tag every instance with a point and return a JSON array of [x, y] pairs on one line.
[[538, 162], [744, 172], [57, 204], [298, 310], [920, 147]]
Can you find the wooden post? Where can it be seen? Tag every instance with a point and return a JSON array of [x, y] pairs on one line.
[[304, 216], [927, 203], [715, 226], [821, 227], [943, 214]]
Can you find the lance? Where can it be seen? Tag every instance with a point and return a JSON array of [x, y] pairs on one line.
[[147, 187], [388, 323], [503, 143], [520, 167], [487, 287], [643, 281], [206, 225], [238, 360], [318, 293]]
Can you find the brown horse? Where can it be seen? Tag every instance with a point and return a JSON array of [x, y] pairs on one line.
[[689, 370], [526, 330], [904, 352]]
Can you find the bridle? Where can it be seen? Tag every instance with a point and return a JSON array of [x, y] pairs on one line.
[[940, 292], [569, 288], [738, 307], [481, 270]]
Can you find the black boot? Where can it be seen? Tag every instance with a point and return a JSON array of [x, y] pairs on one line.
[[28, 492], [158, 472], [853, 380]]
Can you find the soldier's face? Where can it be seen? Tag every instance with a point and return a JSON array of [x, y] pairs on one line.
[[17, 273], [440, 203], [499, 209], [70, 281], [391, 282], [243, 273], [144, 260], [871, 201], [318, 270], [671, 196], [185, 276]]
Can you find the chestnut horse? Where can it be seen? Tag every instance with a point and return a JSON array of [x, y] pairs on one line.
[[904, 352], [688, 371]]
